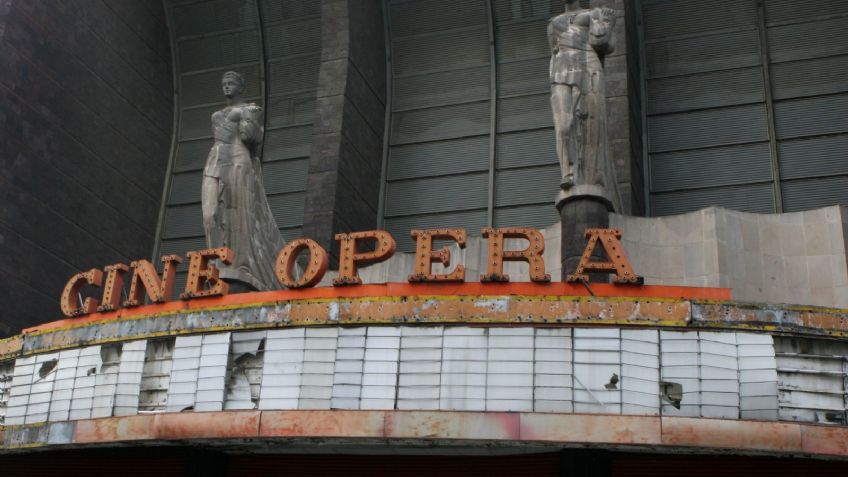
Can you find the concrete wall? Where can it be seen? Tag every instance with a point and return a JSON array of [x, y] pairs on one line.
[[85, 130], [796, 258]]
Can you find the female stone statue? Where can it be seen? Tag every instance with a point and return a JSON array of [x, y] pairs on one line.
[[235, 210], [579, 40]]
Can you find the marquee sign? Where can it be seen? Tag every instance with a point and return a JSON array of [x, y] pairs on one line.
[[203, 277]]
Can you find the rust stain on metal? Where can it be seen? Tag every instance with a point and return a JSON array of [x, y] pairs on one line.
[[497, 254], [338, 423], [591, 428], [11, 347], [790, 438], [144, 277], [71, 293], [111, 298], [350, 259], [115, 429], [788, 318], [618, 263], [207, 425], [827, 440], [315, 269], [453, 425], [201, 273], [425, 256], [753, 435]]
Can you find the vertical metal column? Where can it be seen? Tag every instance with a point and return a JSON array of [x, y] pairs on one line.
[[387, 123], [172, 154], [767, 92], [263, 71], [643, 92], [493, 113]]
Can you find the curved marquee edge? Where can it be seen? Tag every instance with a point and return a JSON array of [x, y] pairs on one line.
[[429, 427]]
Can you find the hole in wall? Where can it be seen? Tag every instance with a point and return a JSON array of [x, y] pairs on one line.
[[671, 393], [46, 368]]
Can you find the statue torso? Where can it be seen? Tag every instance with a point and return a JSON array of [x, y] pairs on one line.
[[228, 148], [574, 57], [572, 29], [224, 130]]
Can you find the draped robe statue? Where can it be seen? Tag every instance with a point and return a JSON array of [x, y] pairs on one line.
[[579, 40], [236, 213]]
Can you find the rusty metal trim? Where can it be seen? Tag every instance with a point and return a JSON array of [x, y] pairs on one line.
[[397, 427]]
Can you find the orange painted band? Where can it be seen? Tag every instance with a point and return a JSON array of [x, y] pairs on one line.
[[402, 290]]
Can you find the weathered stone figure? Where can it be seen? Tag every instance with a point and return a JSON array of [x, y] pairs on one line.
[[579, 40], [235, 210]]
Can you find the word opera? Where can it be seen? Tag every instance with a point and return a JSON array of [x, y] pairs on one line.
[[203, 279]]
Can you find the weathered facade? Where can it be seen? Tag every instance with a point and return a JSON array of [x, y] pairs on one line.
[[725, 131]]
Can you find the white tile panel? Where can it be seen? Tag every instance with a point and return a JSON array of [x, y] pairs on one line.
[[680, 358], [316, 390], [420, 367], [757, 376], [380, 368], [106, 380], [509, 376], [156, 373], [63, 387], [186, 362], [640, 372], [719, 375], [41, 388], [214, 358], [597, 363], [464, 369], [282, 371]]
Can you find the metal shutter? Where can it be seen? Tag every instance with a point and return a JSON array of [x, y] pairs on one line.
[[724, 128], [471, 140], [808, 57]]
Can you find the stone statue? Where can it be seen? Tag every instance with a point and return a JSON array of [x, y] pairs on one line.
[[579, 40], [236, 213]]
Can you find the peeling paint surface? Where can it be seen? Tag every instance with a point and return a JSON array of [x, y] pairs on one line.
[[423, 427]]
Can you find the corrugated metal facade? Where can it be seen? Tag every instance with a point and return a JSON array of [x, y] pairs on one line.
[[471, 139], [746, 104], [276, 46]]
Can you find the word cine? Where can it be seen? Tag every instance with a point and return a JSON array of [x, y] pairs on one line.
[[203, 277]]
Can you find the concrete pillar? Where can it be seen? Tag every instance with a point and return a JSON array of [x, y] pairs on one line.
[[578, 214], [343, 179]]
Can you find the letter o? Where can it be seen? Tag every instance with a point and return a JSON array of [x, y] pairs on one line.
[[315, 270]]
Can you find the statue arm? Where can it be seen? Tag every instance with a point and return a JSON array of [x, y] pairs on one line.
[[602, 30], [250, 126], [552, 38]]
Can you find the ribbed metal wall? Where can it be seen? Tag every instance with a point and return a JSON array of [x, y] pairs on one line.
[[746, 104], [471, 138], [276, 46]]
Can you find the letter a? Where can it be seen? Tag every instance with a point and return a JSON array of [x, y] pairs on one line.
[[618, 263]]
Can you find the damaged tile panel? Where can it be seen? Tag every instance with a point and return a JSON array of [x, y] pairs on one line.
[[806, 320], [451, 309]]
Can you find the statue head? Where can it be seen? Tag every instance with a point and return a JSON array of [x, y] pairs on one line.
[[232, 84]]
